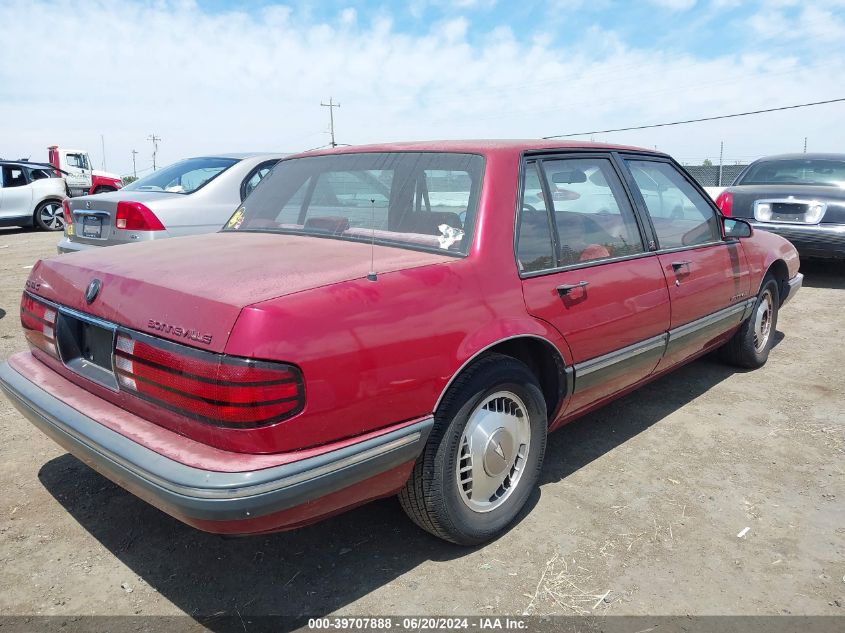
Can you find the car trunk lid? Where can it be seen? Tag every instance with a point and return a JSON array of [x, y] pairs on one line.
[[191, 290], [94, 216], [790, 203]]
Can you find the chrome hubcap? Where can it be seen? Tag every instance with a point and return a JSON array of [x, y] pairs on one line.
[[51, 216], [763, 321], [493, 450]]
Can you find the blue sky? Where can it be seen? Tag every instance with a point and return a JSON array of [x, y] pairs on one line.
[[237, 75]]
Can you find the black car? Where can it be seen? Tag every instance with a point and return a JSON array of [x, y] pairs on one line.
[[798, 196]]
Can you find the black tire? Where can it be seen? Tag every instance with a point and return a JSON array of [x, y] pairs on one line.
[[431, 497], [54, 220], [744, 350], [103, 190]]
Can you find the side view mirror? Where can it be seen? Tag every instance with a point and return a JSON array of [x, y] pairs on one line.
[[735, 227]]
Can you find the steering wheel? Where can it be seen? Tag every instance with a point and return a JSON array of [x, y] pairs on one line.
[[527, 207]]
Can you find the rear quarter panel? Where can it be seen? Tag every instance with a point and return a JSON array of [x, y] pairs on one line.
[[377, 353]]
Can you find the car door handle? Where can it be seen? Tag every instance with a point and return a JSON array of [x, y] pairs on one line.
[[678, 265], [564, 289]]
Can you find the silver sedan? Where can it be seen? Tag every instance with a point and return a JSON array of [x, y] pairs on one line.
[[196, 195]]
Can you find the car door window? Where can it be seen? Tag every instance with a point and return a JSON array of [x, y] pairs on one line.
[[255, 177], [534, 249], [593, 217], [680, 215], [79, 161]]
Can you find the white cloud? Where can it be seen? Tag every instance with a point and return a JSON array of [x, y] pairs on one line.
[[674, 5], [239, 81]]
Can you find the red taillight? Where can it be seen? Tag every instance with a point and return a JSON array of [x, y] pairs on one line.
[[134, 216], [208, 387], [39, 324], [66, 211], [725, 202]]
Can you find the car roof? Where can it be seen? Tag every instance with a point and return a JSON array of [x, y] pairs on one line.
[[26, 163], [479, 146], [804, 156], [243, 155]]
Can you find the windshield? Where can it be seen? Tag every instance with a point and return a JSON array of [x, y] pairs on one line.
[[811, 171], [419, 200], [183, 177]]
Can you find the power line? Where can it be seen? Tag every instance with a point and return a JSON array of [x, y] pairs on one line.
[[709, 118]]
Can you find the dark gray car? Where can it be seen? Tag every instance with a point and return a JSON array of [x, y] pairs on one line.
[[798, 196], [196, 195]]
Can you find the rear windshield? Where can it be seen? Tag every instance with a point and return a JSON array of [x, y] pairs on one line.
[[183, 177], [415, 200], [811, 171]]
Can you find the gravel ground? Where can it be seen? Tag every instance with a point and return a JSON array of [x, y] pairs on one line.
[[639, 512]]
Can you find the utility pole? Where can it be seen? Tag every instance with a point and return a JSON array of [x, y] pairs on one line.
[[134, 171], [721, 153], [154, 139], [103, 146], [331, 106]]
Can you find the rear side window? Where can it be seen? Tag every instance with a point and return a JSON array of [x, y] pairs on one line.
[[591, 211], [13, 176], [534, 244], [680, 215], [592, 217]]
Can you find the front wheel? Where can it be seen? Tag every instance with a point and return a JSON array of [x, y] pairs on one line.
[[483, 457], [48, 216], [750, 346]]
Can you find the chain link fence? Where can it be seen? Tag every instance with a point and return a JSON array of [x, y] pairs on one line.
[[708, 175]]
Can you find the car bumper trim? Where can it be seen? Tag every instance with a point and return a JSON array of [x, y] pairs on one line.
[[196, 493]]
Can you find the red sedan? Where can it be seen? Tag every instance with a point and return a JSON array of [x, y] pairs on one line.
[[406, 319]]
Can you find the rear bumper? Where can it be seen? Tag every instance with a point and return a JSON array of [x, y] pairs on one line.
[[66, 246], [810, 240], [226, 502]]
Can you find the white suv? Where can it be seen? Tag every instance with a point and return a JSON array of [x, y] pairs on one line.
[[31, 195]]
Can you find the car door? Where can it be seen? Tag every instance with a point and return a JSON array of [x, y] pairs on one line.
[[15, 194], [707, 276], [79, 177], [586, 270]]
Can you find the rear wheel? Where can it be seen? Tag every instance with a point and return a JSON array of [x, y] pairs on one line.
[[483, 458], [750, 346], [48, 216]]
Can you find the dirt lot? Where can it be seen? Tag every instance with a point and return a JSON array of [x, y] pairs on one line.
[[639, 510]]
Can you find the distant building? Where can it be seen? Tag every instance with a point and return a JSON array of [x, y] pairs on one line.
[[708, 175]]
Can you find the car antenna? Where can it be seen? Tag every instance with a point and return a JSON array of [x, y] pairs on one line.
[[371, 276]]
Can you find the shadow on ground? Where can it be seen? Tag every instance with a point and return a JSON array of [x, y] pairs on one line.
[[319, 569], [14, 230], [823, 273]]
